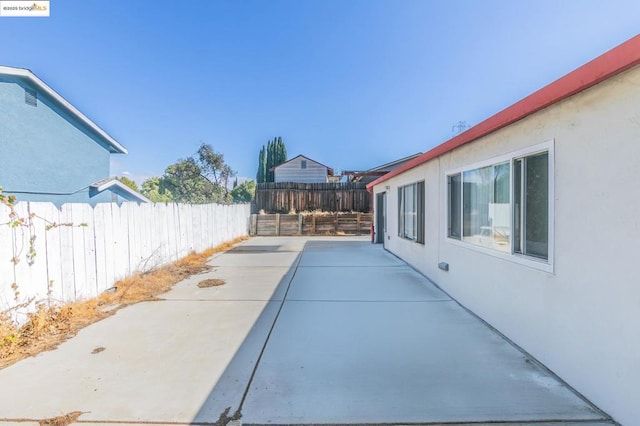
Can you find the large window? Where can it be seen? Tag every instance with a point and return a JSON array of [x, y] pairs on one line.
[[502, 206], [411, 212]]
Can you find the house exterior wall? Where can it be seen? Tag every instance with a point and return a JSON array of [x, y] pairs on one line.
[[292, 171], [47, 156], [580, 317]]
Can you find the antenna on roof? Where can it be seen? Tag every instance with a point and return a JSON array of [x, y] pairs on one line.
[[459, 127]]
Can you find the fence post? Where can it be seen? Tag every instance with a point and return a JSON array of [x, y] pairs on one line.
[[299, 224], [313, 224], [358, 222], [335, 222], [277, 223], [254, 224]]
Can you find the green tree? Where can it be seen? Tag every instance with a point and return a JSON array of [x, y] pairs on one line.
[[245, 192], [276, 154], [131, 184], [155, 189], [202, 178], [261, 176], [212, 166]]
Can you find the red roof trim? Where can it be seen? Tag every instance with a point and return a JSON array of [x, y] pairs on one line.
[[613, 62]]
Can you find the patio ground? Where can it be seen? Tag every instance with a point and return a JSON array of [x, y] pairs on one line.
[[305, 331]]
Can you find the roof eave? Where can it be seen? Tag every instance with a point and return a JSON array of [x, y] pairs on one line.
[[615, 61], [116, 147], [109, 183]]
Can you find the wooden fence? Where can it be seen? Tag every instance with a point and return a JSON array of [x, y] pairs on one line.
[[285, 197], [311, 224], [76, 262]]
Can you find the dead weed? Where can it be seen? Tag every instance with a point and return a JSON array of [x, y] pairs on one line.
[[49, 326], [65, 420], [212, 282]]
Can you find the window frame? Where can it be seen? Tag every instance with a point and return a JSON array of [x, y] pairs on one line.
[[546, 265], [419, 204]]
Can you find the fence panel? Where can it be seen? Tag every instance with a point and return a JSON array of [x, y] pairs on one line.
[[311, 224], [105, 244], [285, 197]]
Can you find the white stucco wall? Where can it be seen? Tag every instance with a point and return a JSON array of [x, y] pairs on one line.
[[292, 171], [581, 319]]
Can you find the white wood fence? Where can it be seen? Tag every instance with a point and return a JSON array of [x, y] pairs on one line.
[[107, 243]]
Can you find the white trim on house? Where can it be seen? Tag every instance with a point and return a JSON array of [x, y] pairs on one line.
[[329, 169], [31, 77], [109, 183], [522, 259]]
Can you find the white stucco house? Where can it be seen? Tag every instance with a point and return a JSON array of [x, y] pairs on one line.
[[531, 219], [301, 169]]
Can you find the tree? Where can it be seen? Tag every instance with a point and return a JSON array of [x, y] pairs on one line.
[[261, 177], [245, 192], [131, 184], [201, 178], [155, 189], [274, 155], [213, 168]]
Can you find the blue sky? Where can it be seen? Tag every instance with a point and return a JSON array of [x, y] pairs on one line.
[[352, 84]]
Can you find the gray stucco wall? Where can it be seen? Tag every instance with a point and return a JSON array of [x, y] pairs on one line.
[[46, 155]]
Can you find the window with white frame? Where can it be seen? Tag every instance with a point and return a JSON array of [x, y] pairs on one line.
[[531, 205], [411, 212], [503, 206]]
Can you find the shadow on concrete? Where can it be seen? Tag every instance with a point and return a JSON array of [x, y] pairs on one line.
[[363, 338], [224, 402]]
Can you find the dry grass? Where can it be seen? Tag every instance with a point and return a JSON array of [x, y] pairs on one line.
[[49, 326], [211, 282], [65, 420]]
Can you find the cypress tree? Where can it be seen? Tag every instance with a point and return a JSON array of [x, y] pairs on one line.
[[274, 155], [283, 154], [262, 164], [270, 160]]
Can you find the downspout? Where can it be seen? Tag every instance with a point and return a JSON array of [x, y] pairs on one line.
[[373, 215]]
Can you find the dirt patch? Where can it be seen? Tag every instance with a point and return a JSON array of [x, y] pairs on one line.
[[51, 325], [98, 350], [212, 282], [65, 420]]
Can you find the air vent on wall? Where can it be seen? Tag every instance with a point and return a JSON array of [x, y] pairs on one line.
[[31, 97]]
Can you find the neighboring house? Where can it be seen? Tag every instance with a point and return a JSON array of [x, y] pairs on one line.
[[532, 220], [118, 191], [302, 169], [51, 151], [367, 176]]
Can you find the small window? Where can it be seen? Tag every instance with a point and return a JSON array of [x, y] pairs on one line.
[[303, 164], [31, 97], [455, 206], [411, 212]]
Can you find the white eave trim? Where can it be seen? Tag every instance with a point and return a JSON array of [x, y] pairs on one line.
[[110, 183], [27, 74]]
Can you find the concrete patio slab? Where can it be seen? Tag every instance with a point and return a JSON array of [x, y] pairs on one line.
[[359, 338], [396, 283], [241, 283], [354, 252], [394, 362], [160, 361]]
